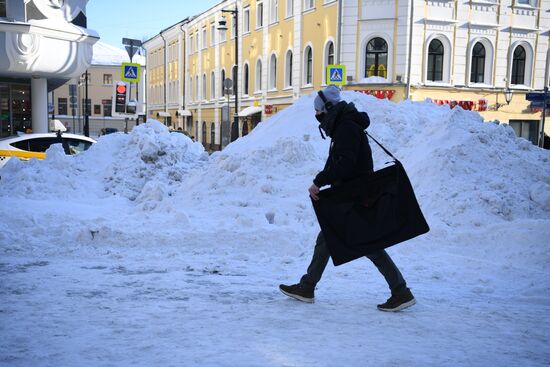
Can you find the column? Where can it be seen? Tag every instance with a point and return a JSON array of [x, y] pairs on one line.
[[39, 94]]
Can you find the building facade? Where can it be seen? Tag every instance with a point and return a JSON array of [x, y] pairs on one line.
[[29, 31], [483, 55], [104, 74]]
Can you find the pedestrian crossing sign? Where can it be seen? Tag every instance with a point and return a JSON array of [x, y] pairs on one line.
[[130, 72], [336, 74]]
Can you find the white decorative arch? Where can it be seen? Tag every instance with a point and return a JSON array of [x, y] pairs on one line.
[[328, 41], [447, 58], [528, 63], [489, 60]]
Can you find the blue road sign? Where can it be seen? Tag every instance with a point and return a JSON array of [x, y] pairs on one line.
[[336, 74], [130, 72]]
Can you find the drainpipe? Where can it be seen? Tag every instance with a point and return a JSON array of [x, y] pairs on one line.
[[183, 69], [165, 83], [339, 34], [411, 21]]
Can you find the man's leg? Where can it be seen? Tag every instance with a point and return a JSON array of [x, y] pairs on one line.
[[401, 295], [319, 261], [304, 291], [389, 270]]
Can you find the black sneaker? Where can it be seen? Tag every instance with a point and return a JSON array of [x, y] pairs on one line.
[[398, 302], [299, 292]]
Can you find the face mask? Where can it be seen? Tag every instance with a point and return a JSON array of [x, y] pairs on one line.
[[320, 117]]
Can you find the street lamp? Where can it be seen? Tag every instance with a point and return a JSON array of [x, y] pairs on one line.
[[508, 95], [222, 26]]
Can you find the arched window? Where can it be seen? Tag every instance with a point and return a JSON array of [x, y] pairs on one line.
[[204, 132], [191, 88], [234, 78], [259, 75], [477, 74], [273, 72], [435, 61], [213, 85], [288, 69], [308, 66], [376, 58], [212, 133], [222, 78], [203, 86], [518, 66], [330, 53], [196, 87], [245, 81]]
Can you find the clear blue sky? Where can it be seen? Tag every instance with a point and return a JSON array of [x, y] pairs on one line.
[[139, 19]]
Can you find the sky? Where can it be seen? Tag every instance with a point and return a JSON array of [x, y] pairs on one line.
[[139, 19]]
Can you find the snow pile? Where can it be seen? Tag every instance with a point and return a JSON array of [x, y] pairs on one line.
[[139, 166]]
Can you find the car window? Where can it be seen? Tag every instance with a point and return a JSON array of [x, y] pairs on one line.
[[77, 146], [35, 144]]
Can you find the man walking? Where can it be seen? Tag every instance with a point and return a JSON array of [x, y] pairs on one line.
[[349, 157]]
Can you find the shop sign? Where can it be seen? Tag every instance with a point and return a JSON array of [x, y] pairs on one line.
[[380, 94], [479, 105], [268, 109]]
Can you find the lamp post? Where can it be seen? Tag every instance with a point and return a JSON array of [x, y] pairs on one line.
[[223, 27], [508, 95], [86, 111]]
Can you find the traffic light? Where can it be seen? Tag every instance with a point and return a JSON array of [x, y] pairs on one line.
[[120, 97]]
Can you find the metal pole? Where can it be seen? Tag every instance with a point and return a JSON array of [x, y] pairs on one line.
[[235, 129], [86, 112], [541, 141]]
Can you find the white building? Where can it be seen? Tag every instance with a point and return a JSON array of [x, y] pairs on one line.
[[29, 31]]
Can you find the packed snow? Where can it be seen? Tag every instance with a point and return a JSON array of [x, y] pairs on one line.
[[146, 251]]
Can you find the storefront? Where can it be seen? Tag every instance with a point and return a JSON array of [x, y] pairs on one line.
[[15, 106]]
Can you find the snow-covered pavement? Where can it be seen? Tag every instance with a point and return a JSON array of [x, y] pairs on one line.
[[144, 251]]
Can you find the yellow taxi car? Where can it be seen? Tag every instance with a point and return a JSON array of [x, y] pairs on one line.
[[27, 146]]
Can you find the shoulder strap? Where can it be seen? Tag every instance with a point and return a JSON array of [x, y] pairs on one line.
[[381, 146]]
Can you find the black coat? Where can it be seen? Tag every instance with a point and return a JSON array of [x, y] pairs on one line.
[[350, 155]]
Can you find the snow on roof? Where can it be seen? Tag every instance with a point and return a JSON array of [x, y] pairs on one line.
[[106, 54]]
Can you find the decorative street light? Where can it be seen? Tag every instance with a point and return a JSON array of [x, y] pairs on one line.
[[222, 26], [508, 95]]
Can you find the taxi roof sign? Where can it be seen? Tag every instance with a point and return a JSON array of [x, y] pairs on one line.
[[336, 74], [130, 72]]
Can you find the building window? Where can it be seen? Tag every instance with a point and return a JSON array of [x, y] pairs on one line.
[[435, 61], [204, 86], [213, 85], [376, 58], [259, 15], [288, 69], [518, 66], [97, 109], [527, 129], [212, 35], [108, 79], [245, 81], [197, 86], [204, 133], [197, 41], [309, 4], [191, 88], [107, 107], [246, 20], [62, 106], [330, 53], [3, 8], [477, 74], [204, 40], [259, 75], [212, 134], [274, 11], [233, 27], [222, 79], [190, 44], [273, 72], [308, 66], [289, 8]]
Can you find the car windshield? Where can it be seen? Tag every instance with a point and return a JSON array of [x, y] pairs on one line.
[[78, 146]]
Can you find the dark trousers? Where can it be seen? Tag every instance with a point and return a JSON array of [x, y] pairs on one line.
[[381, 259]]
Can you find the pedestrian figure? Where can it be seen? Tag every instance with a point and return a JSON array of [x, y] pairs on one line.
[[350, 157]]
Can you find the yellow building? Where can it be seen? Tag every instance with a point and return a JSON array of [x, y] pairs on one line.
[[474, 54]]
